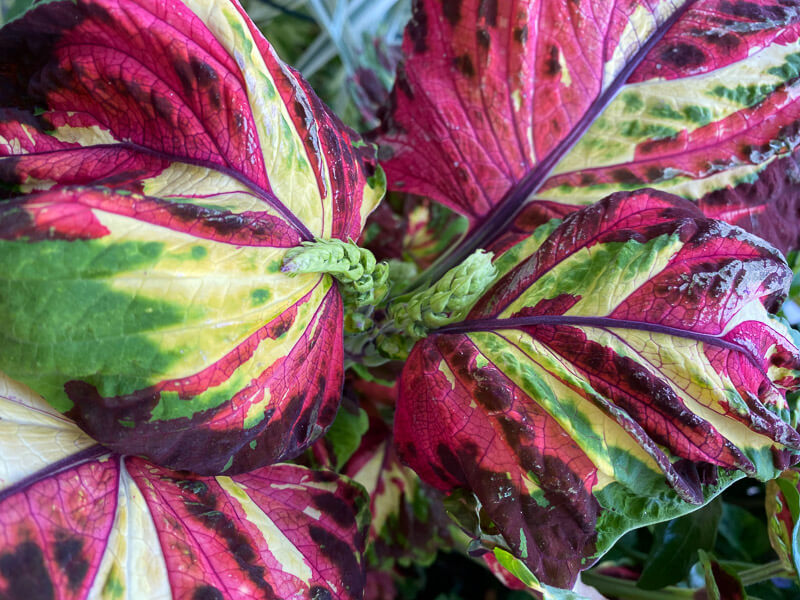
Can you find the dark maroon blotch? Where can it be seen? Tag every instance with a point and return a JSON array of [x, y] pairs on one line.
[[450, 462], [207, 592], [755, 12], [551, 64], [464, 65], [417, 28], [452, 11], [335, 508], [350, 572], [68, 552], [683, 55], [625, 176], [25, 571], [203, 505], [726, 41], [319, 593], [488, 10]]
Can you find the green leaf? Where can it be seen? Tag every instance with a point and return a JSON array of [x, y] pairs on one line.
[[345, 434], [722, 583], [676, 545], [741, 535]]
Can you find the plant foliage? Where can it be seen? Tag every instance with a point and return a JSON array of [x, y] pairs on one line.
[[566, 349]]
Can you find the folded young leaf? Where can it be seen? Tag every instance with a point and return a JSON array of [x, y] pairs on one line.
[[170, 160], [620, 358], [501, 103], [409, 525], [79, 522], [783, 514]]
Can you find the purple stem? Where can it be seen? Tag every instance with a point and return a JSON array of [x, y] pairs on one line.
[[65, 463], [602, 322], [510, 204]]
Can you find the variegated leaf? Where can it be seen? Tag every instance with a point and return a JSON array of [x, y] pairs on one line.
[[409, 525], [169, 160], [501, 103], [623, 368], [79, 522], [783, 515]]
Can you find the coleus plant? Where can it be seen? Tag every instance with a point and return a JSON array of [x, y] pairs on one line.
[[182, 284]]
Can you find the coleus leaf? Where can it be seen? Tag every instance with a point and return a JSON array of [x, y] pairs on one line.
[[77, 521], [676, 545], [170, 160], [409, 524], [722, 583], [499, 104], [783, 516], [623, 368]]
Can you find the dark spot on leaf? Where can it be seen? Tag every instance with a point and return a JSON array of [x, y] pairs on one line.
[[410, 450], [683, 55], [726, 41], [521, 34], [319, 593], [280, 328], [238, 121], [490, 395], [334, 507], [342, 556], [402, 82], [26, 574], [207, 592], [324, 476], [14, 221], [162, 106], [202, 504], [464, 64], [488, 10], [625, 176], [755, 12], [483, 38], [654, 174], [588, 179], [450, 462], [203, 72], [184, 72], [68, 552], [452, 11], [194, 486], [551, 64], [418, 28]]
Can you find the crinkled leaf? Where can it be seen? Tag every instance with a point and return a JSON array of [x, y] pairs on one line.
[[721, 583], [170, 160], [783, 512], [500, 103], [675, 546], [620, 358], [408, 524], [79, 522]]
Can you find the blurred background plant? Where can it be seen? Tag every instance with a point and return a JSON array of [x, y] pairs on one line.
[[347, 49]]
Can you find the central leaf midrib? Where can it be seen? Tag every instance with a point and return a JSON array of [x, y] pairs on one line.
[[493, 324], [263, 194]]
